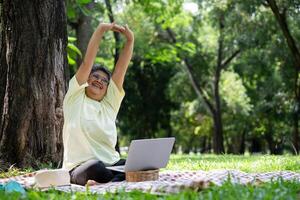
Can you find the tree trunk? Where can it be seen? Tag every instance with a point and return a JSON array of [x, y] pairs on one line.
[[218, 145], [203, 144], [255, 145], [3, 68], [36, 65], [237, 144], [296, 113], [296, 137], [116, 34], [84, 31], [209, 145], [269, 138], [242, 146], [117, 47]]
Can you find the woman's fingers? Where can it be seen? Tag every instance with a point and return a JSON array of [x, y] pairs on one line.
[[112, 25], [123, 30], [118, 28], [128, 33]]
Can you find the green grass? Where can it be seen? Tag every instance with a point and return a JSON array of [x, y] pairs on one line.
[[247, 163], [258, 163], [274, 190], [253, 163]]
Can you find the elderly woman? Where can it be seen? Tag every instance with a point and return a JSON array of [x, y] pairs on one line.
[[90, 109]]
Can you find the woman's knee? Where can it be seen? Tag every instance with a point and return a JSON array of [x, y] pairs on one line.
[[98, 172], [91, 170]]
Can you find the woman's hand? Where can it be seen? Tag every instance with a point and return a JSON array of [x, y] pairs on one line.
[[104, 27], [127, 33]]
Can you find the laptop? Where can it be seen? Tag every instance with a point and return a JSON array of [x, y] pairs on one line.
[[147, 154]]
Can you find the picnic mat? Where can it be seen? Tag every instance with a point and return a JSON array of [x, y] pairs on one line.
[[169, 181]]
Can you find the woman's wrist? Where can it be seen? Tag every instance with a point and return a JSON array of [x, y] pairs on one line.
[[99, 33], [130, 40], [100, 30]]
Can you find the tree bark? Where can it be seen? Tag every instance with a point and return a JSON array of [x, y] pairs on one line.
[[36, 66], [3, 68]]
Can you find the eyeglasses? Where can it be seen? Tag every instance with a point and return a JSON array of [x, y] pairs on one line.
[[104, 80]]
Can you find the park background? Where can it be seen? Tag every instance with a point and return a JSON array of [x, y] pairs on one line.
[[221, 76]]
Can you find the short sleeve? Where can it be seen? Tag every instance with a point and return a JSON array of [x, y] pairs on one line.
[[114, 96], [74, 89]]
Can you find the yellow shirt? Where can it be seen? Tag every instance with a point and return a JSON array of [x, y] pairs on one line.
[[89, 130]]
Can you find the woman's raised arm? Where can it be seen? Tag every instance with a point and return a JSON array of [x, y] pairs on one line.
[[124, 58], [85, 68]]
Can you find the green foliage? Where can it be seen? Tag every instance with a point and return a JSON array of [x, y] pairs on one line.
[[75, 9], [234, 93], [72, 50], [83, 1], [146, 95]]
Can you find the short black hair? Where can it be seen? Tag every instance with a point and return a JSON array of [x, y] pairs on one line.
[[100, 67]]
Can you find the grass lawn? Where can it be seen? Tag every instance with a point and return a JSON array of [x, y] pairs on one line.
[[257, 163], [249, 163]]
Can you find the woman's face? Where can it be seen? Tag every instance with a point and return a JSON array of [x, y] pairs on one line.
[[98, 82]]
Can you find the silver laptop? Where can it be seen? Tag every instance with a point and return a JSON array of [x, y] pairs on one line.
[[147, 154]]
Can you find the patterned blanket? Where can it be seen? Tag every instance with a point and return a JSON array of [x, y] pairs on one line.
[[170, 181]]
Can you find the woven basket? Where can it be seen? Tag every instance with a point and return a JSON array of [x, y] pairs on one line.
[[138, 176]]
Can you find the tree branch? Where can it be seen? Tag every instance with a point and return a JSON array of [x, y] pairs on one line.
[[172, 35], [220, 44], [198, 89], [229, 59], [281, 19]]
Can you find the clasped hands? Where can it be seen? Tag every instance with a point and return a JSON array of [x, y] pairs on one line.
[[124, 30]]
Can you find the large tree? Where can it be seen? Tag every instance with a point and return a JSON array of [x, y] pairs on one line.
[[33, 80], [204, 60], [280, 13]]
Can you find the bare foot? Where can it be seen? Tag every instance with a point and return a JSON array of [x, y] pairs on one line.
[[91, 183]]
